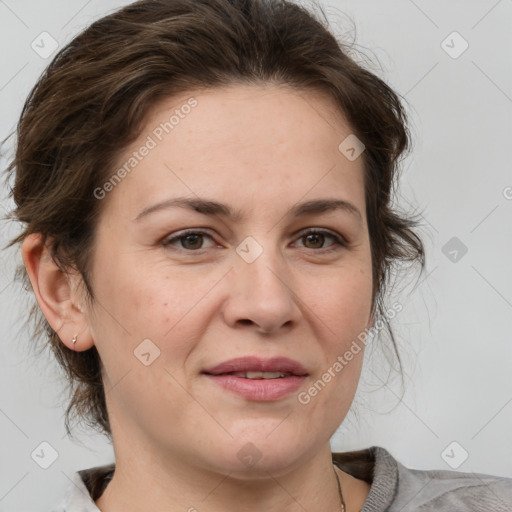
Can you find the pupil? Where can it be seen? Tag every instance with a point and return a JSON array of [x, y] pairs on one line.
[[196, 237], [315, 236]]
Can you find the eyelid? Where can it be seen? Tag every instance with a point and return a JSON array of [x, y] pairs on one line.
[[324, 231], [340, 240], [168, 240]]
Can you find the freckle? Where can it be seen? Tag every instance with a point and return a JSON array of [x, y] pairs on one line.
[[165, 303]]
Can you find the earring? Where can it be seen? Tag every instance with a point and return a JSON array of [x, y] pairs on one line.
[[74, 339]]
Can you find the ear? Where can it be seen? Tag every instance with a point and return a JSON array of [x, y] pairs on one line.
[[57, 294]]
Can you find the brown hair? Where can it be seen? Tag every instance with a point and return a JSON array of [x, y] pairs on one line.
[[93, 98]]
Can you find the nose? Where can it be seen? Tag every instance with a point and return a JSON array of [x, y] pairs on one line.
[[261, 295]]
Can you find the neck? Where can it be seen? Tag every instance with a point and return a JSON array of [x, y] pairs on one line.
[[144, 482]]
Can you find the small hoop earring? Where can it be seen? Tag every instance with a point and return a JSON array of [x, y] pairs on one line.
[[74, 339]]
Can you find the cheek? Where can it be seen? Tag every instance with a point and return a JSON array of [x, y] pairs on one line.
[[344, 308], [345, 301], [151, 301], [346, 312]]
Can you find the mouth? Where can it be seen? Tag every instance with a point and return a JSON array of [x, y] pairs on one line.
[[255, 375], [253, 367], [259, 379]]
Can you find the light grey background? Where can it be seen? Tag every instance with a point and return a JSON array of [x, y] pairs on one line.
[[455, 329]]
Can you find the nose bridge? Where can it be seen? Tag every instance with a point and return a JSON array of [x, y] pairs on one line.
[[259, 266], [262, 292]]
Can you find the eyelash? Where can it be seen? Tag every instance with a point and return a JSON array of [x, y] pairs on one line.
[[340, 242]]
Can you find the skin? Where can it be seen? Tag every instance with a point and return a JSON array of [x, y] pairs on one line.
[[176, 435]]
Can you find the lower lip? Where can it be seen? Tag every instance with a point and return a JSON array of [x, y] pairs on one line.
[[262, 390]]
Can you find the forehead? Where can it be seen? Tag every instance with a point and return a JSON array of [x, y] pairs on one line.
[[245, 141], [252, 115]]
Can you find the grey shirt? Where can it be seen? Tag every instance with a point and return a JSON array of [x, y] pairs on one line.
[[394, 487]]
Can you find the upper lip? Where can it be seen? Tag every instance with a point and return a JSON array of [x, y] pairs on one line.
[[258, 364]]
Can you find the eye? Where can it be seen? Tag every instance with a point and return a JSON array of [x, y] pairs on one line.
[[190, 240], [316, 237]]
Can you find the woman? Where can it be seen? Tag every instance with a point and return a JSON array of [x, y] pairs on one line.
[[206, 192]]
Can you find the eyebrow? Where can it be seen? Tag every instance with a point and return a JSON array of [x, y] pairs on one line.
[[214, 208]]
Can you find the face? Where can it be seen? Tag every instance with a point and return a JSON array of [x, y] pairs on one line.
[[179, 290]]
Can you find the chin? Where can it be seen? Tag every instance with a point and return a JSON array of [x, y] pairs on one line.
[[258, 453]]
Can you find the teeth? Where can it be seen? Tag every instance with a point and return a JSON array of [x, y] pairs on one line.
[[260, 375]]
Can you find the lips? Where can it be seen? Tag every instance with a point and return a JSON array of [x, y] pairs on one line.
[[282, 365], [257, 379]]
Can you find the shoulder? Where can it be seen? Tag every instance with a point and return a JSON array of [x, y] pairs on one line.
[[444, 490], [84, 489], [438, 490], [395, 487]]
